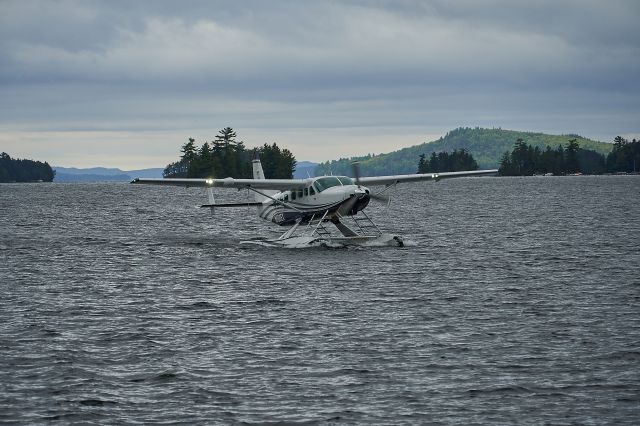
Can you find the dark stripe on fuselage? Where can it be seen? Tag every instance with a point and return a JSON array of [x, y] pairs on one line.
[[302, 207], [284, 216], [290, 216]]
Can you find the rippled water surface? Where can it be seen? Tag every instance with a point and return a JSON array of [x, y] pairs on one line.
[[517, 300]]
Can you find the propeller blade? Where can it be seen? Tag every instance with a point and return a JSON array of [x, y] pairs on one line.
[[355, 167], [380, 198], [346, 207]]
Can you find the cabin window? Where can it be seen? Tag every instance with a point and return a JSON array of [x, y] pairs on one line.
[[346, 180], [306, 192], [326, 182], [311, 191], [293, 195], [286, 197], [299, 193]]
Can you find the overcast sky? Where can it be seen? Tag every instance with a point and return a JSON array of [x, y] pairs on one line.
[[124, 84]]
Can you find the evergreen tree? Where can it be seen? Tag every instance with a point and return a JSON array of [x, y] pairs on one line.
[[180, 168], [506, 165], [625, 157], [225, 138], [189, 150], [520, 158], [434, 164], [548, 160], [571, 157], [558, 161], [423, 165], [277, 163], [202, 165]]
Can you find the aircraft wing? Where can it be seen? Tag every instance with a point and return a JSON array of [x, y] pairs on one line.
[[390, 180], [277, 184]]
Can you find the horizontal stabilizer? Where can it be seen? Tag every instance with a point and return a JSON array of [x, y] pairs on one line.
[[248, 203]]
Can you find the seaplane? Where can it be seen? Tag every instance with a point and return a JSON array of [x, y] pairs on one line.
[[324, 210]]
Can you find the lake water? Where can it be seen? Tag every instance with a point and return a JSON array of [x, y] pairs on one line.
[[517, 300]]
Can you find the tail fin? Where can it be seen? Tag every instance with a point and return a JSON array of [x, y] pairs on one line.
[[258, 173], [257, 168]]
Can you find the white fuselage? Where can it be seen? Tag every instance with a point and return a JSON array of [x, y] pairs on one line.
[[328, 194]]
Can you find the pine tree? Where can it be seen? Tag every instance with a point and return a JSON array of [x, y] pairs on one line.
[[422, 165], [225, 138], [189, 150], [520, 158], [506, 165], [571, 157]]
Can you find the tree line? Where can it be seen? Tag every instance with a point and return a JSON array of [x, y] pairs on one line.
[[625, 156], [526, 160], [17, 170], [457, 161], [225, 157]]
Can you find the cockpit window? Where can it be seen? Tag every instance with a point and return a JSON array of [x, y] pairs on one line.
[[346, 180], [327, 182]]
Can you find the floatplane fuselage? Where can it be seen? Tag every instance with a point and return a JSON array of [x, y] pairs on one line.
[[330, 195]]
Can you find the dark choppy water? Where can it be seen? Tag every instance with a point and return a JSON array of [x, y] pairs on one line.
[[518, 302]]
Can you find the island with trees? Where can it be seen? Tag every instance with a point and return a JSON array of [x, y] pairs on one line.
[[226, 157], [528, 160], [19, 170], [625, 156]]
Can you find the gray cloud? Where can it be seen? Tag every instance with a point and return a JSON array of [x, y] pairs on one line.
[[568, 66]]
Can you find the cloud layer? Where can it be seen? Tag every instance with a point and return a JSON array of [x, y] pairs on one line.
[[369, 76]]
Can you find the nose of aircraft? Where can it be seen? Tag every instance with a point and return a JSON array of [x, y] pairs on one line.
[[360, 192], [363, 197]]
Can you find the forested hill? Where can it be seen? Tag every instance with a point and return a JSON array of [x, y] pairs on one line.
[[486, 145]]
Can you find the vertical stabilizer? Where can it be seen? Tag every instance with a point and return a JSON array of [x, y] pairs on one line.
[[258, 173], [257, 169]]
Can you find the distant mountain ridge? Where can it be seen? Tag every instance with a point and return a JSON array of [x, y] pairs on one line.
[[486, 145], [304, 169], [103, 174]]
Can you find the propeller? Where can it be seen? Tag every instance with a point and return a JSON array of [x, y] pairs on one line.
[[348, 206], [355, 166], [380, 198]]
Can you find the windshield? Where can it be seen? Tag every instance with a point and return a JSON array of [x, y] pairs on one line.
[[326, 182], [346, 180]]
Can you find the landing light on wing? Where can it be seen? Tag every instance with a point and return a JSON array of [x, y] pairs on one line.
[[209, 181]]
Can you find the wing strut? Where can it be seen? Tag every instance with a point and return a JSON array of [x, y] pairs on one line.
[[274, 199]]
